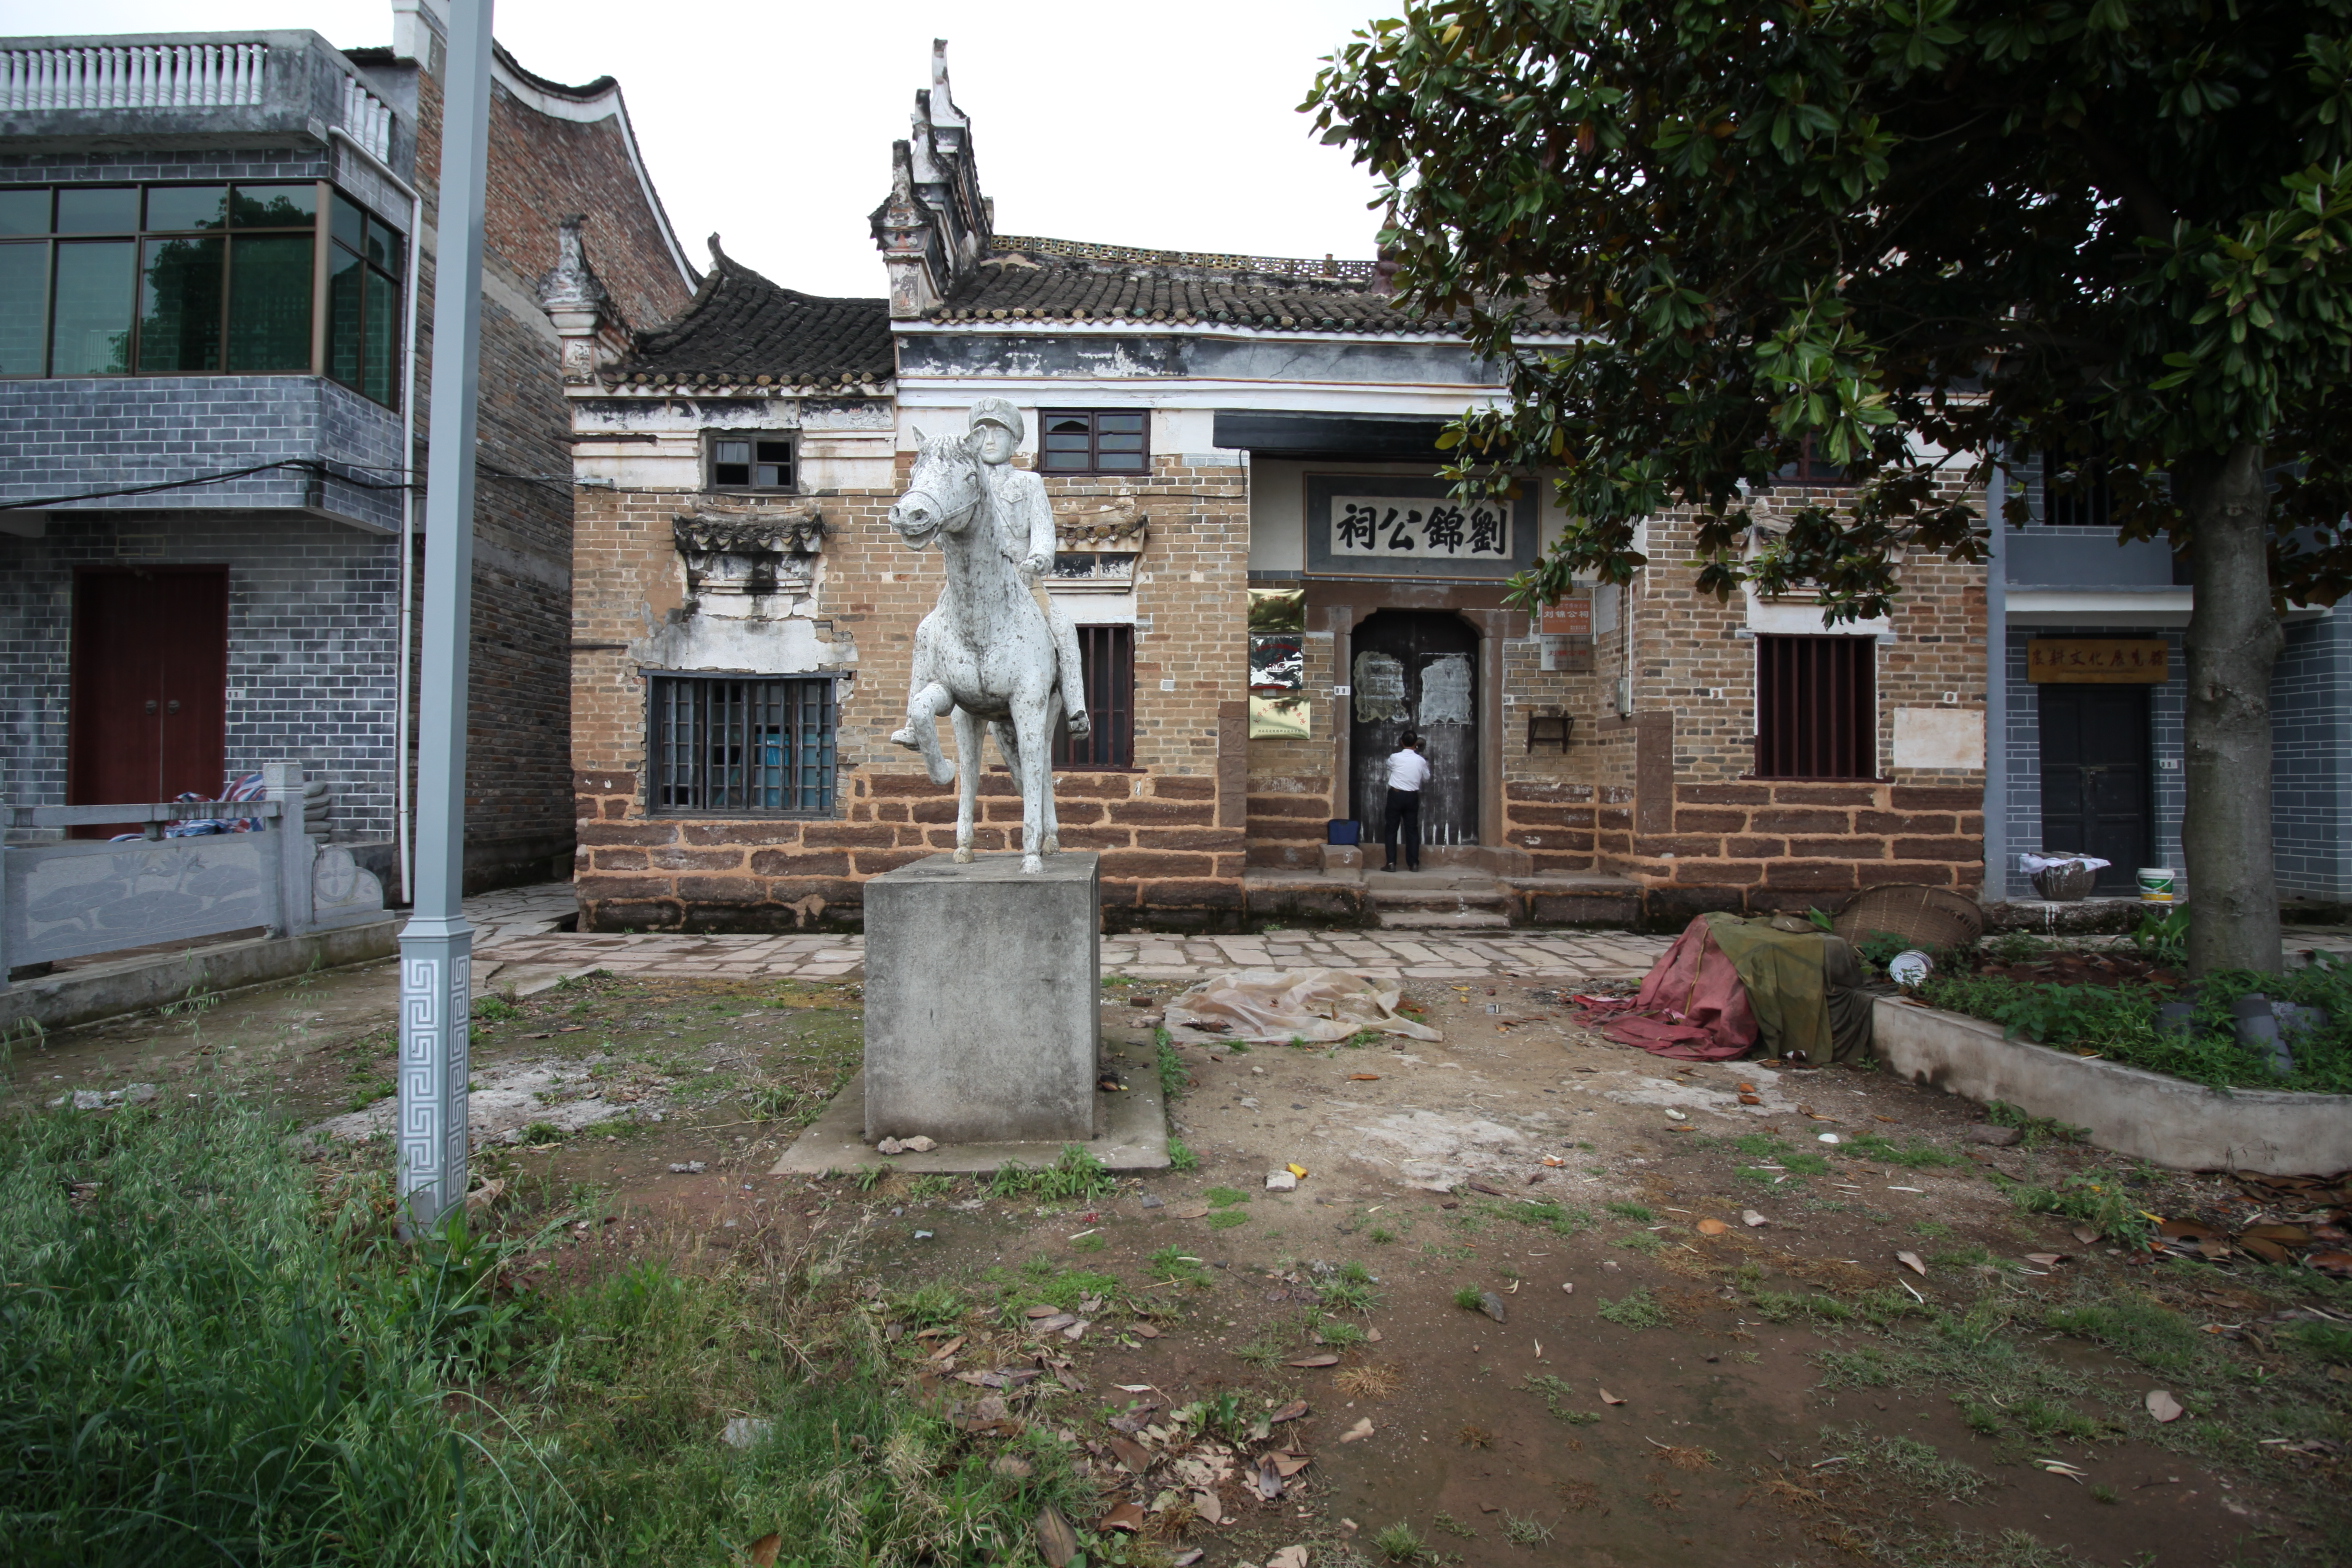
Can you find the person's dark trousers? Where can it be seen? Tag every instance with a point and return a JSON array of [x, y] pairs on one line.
[[1404, 816]]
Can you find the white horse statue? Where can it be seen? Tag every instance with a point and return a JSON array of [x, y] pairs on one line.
[[987, 650]]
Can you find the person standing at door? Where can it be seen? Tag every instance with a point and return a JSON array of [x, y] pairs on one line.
[[1408, 772]]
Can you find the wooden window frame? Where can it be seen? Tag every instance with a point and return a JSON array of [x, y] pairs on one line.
[[322, 242], [1816, 708], [1809, 472], [710, 461], [1107, 653], [805, 782], [1094, 435]]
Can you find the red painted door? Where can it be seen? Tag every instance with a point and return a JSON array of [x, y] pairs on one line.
[[150, 684]]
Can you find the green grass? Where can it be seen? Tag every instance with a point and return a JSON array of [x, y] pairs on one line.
[[2098, 1198], [1224, 1197], [1636, 1311], [1174, 1077], [1559, 1219], [1226, 1219], [1914, 1154], [1181, 1159], [1637, 1213], [1173, 1263], [216, 1356], [1400, 1544], [1646, 1242], [1077, 1174], [1469, 1300], [1555, 1395]]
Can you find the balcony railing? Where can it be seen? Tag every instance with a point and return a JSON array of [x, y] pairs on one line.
[[170, 76]]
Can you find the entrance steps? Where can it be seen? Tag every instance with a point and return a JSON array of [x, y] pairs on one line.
[[1444, 898]]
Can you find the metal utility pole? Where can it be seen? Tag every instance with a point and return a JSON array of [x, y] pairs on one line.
[[436, 946]]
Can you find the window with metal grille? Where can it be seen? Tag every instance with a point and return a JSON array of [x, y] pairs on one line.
[[751, 461], [726, 745], [1108, 655], [1092, 441], [2075, 494], [1816, 707], [1811, 468]]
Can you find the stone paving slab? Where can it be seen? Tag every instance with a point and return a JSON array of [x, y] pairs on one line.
[[1562, 956]]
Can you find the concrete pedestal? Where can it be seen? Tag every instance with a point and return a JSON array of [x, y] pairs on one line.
[[983, 1000]]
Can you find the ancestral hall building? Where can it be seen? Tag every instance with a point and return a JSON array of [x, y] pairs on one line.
[[1271, 587]]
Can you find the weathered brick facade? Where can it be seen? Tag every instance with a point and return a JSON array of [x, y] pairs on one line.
[[1169, 829]]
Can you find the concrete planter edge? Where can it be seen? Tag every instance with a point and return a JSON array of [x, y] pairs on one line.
[[2129, 1110]]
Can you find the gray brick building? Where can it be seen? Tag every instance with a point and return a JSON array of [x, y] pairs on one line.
[[213, 295]]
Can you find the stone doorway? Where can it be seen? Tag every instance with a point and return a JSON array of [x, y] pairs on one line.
[[1415, 670]]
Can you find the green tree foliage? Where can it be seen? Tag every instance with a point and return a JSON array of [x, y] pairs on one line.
[[1913, 235]]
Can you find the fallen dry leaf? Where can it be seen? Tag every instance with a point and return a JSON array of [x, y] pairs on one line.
[[1057, 1543], [1751, 1099], [1362, 1429], [1288, 1557], [1910, 1260], [948, 1349], [1127, 1516], [2085, 1235], [1189, 1211], [2338, 1264], [1042, 1312], [1363, 1077], [1290, 1464], [1554, 1161], [1712, 1227], [2047, 1260], [1608, 1398], [2163, 1406], [1747, 1088], [1751, 1217], [764, 1550], [1312, 1361], [1133, 1455], [1147, 1330], [1289, 1412], [1205, 1504]]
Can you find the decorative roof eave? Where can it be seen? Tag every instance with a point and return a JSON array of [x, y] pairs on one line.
[[949, 322], [704, 384]]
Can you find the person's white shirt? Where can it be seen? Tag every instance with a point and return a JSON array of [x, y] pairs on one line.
[[1407, 769]]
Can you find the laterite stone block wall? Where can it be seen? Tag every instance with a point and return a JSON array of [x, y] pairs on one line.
[[1170, 829]]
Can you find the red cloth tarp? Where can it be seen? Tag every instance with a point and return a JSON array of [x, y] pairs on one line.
[[1692, 1006]]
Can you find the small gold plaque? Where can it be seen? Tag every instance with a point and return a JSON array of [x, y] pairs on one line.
[[2097, 661]]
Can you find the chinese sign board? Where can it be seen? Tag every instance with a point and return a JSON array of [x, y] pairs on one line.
[[1441, 530], [2097, 661], [1378, 525]]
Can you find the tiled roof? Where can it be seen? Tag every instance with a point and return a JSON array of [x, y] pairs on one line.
[[1063, 280], [742, 329]]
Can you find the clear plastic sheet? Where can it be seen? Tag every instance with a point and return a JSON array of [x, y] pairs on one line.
[[1279, 1005]]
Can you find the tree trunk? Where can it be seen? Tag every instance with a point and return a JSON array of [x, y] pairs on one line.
[[2234, 640]]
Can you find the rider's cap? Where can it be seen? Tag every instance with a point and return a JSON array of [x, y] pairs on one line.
[[997, 411]]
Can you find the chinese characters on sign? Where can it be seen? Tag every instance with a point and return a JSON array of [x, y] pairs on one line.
[[2096, 661], [1420, 530], [1567, 618]]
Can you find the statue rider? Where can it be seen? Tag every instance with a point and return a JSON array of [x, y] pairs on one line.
[[1026, 536]]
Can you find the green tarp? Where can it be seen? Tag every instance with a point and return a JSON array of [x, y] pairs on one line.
[[1803, 985]]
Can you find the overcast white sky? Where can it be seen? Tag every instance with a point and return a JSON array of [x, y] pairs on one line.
[[1171, 126]]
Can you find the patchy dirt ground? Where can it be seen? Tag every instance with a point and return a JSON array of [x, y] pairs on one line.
[[1518, 1291]]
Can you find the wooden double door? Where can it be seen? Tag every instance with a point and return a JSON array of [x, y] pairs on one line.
[[149, 715], [1415, 671], [2095, 784]]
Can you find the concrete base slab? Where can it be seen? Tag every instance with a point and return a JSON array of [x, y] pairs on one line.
[[1135, 1136], [93, 992]]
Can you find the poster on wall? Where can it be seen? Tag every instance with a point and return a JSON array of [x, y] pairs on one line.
[[1278, 665]]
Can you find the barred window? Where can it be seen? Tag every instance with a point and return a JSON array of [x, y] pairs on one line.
[[723, 744], [751, 460], [1108, 655], [1811, 468], [1816, 707]]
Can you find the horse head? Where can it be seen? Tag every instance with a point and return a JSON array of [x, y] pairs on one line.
[[943, 491]]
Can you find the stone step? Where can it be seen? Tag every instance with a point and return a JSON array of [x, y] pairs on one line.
[[1487, 897], [1393, 918]]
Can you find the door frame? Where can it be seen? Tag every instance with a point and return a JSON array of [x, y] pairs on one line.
[[76, 668], [2117, 877]]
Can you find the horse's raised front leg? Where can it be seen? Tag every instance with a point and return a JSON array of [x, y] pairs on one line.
[[922, 731], [968, 738]]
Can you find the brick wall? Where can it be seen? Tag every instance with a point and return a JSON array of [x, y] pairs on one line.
[[2311, 700], [310, 646], [1170, 830], [1715, 836]]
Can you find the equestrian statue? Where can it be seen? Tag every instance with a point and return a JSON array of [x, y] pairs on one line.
[[988, 651]]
